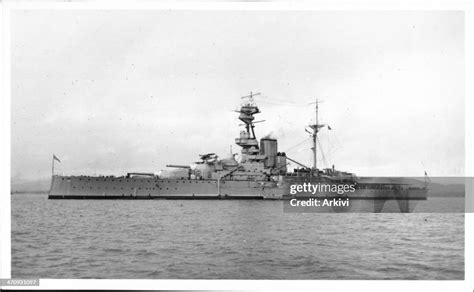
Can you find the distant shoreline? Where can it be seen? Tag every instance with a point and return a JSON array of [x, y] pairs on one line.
[[454, 195], [29, 192]]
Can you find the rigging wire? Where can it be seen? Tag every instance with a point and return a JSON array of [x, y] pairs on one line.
[[275, 101], [333, 147], [279, 102], [322, 153], [297, 145]]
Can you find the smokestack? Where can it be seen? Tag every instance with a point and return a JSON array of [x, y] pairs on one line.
[[269, 148]]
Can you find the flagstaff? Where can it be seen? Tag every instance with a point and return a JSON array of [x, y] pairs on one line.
[[52, 164]]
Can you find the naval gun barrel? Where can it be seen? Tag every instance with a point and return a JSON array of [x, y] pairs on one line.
[[300, 164], [232, 171], [178, 166], [132, 174]]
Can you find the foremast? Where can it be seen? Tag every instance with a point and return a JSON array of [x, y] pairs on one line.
[[247, 139]]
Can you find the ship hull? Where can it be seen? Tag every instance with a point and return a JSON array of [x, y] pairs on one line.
[[102, 188], [126, 188]]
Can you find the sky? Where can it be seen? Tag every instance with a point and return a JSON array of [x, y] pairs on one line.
[[117, 91]]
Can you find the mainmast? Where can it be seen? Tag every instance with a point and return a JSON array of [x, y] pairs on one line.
[[314, 129]]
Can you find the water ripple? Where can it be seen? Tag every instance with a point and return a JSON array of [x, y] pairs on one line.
[[227, 240]]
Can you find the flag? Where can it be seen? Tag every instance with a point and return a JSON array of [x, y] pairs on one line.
[[55, 158], [329, 128]]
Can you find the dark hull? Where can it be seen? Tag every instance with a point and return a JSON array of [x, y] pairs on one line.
[[161, 197], [122, 188]]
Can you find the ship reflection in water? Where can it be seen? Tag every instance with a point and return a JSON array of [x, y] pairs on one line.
[[346, 205], [260, 173]]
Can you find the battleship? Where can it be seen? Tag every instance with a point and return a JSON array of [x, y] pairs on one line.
[[261, 172]]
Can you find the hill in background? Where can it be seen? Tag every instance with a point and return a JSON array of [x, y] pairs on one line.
[[33, 186]]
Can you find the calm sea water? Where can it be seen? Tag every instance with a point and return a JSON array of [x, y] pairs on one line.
[[229, 240]]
